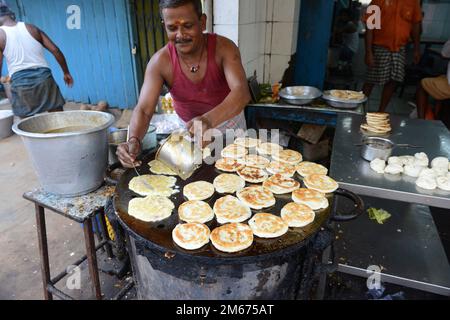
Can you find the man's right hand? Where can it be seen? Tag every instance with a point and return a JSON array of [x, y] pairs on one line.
[[370, 60], [128, 152]]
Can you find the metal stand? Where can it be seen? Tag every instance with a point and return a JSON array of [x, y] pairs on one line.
[[43, 200]]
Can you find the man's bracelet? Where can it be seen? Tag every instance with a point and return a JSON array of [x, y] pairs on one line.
[[138, 140]]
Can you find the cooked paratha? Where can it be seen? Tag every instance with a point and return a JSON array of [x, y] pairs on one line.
[[266, 225], [232, 237], [229, 209], [297, 215], [191, 236], [150, 208]]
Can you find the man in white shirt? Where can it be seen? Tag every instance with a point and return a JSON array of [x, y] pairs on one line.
[[438, 88], [33, 88]]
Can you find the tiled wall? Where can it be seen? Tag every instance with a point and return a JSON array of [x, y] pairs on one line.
[[436, 23], [265, 31]]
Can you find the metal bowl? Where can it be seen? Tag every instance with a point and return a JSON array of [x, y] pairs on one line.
[[341, 103], [376, 147], [115, 138], [6, 122], [300, 95]]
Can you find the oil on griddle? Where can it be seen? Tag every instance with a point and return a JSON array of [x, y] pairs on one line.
[[159, 234]]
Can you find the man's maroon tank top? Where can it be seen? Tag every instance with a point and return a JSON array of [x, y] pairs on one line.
[[192, 100]]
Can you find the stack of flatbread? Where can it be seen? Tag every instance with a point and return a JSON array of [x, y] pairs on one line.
[[377, 123]]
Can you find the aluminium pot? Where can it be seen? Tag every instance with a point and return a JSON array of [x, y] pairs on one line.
[[69, 150]]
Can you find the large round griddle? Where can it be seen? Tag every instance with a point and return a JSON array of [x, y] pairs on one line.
[[159, 234]]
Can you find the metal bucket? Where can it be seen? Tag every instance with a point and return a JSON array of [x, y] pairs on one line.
[[180, 153], [69, 150]]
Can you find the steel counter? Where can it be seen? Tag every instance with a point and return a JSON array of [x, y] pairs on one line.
[[354, 173], [407, 246]]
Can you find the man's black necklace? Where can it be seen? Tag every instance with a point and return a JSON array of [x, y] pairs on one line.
[[195, 68]]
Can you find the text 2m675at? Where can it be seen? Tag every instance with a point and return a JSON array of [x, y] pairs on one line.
[[246, 309]]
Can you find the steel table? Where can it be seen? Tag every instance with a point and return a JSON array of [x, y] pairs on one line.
[[354, 173], [407, 246]]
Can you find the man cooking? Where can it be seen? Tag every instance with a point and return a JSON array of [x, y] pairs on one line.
[[32, 85], [203, 71]]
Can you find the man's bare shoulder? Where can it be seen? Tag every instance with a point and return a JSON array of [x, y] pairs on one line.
[[226, 50], [224, 43], [32, 28], [160, 58], [34, 31], [160, 64]]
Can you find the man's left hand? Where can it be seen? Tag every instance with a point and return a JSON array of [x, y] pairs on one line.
[[417, 56], [68, 80], [197, 128]]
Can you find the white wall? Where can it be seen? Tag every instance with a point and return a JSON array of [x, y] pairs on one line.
[[265, 31], [436, 22]]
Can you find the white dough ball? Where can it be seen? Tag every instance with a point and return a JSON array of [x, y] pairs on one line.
[[443, 183], [421, 159], [440, 162], [407, 160], [413, 170], [395, 160], [393, 169], [428, 173], [378, 165], [426, 183]]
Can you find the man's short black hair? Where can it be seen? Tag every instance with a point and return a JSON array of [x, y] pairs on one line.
[[5, 11], [164, 4]]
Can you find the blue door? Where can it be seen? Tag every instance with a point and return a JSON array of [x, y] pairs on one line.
[[99, 53]]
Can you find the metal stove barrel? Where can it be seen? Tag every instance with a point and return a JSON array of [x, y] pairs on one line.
[[269, 269]]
